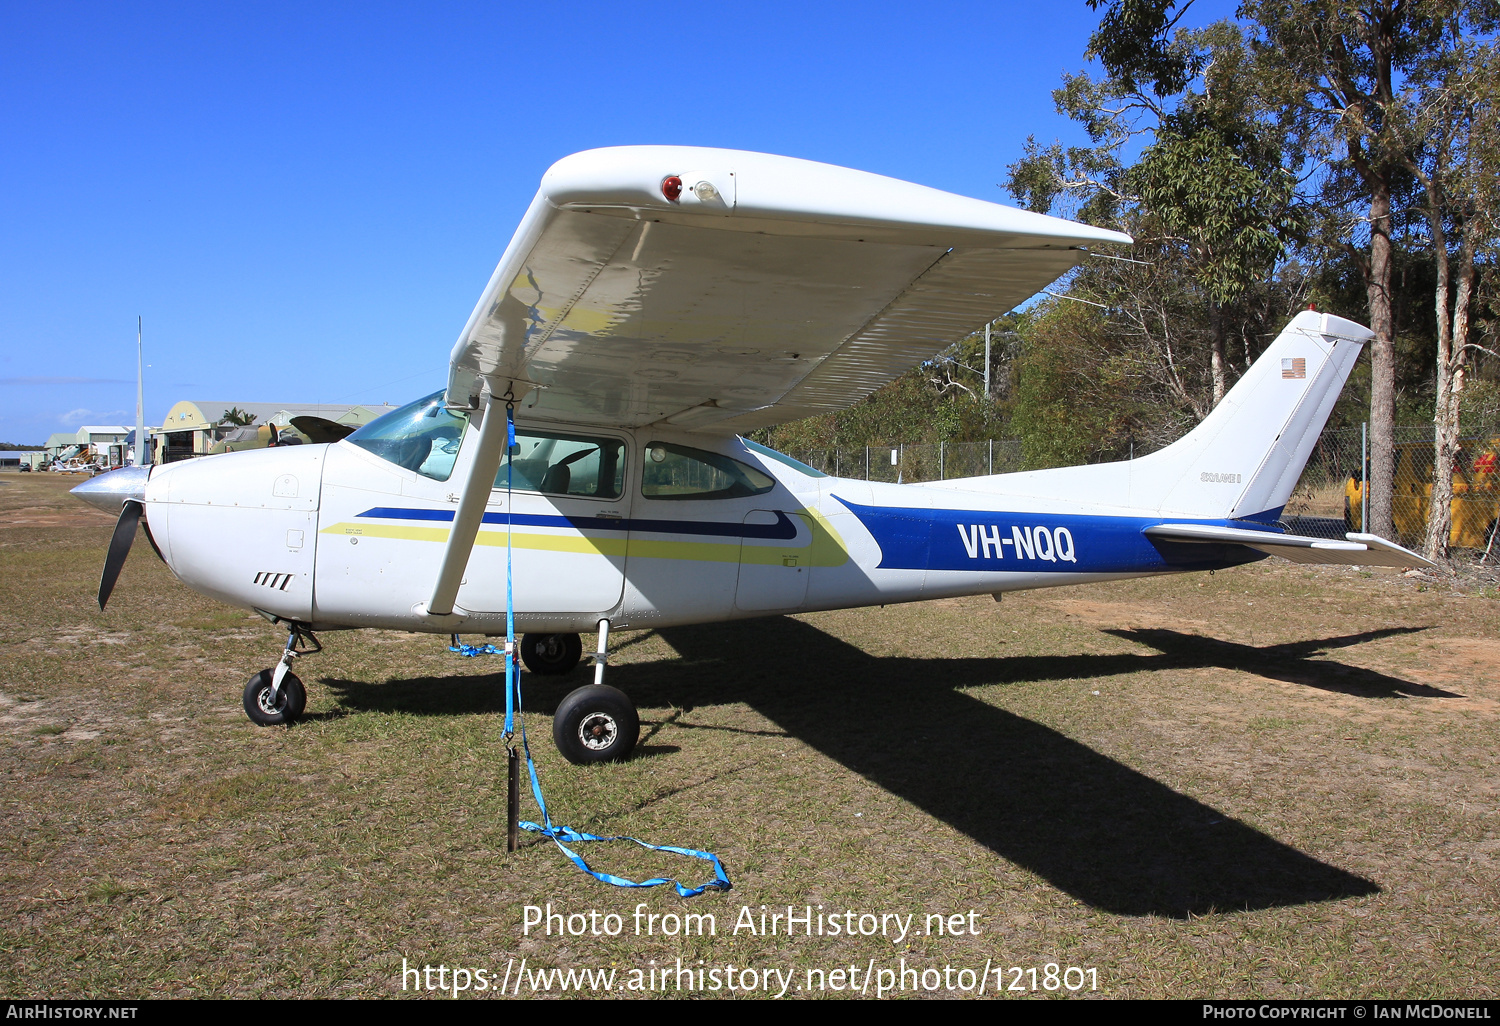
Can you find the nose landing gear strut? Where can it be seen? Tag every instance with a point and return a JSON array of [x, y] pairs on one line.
[[276, 695]]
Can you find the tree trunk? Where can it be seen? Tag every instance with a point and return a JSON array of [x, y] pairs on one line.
[[1461, 298], [1445, 437], [1382, 362], [1445, 407], [1216, 318]]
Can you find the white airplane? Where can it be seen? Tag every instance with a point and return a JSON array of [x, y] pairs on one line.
[[655, 303]]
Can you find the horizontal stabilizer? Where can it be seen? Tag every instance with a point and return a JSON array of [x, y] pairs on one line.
[[1359, 550]]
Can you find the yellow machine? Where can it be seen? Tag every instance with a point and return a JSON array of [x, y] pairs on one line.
[[1476, 493]]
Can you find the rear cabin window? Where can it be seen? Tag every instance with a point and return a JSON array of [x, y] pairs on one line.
[[558, 464], [781, 457], [679, 472]]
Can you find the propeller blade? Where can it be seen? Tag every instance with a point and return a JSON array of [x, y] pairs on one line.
[[119, 548]]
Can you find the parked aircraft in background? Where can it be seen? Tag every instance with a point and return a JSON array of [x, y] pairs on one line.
[[655, 304], [299, 431]]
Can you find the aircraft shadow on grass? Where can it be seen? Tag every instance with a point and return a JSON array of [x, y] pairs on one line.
[[1106, 834]]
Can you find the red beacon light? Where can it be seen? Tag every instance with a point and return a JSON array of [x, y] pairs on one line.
[[671, 188]]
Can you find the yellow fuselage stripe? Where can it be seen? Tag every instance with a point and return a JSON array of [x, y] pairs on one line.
[[634, 548]]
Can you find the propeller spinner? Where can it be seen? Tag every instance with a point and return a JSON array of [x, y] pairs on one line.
[[125, 490]]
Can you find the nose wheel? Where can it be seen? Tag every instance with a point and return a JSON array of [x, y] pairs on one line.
[[276, 696], [270, 708]]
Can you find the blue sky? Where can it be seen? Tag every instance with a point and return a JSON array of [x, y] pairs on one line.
[[304, 201]]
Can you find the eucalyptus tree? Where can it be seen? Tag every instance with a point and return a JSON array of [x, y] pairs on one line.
[[1449, 117], [1208, 198], [1333, 69]]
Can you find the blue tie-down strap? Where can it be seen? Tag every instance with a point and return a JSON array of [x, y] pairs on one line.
[[473, 650], [720, 882]]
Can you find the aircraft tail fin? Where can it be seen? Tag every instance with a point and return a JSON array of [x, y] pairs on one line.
[[1244, 459]]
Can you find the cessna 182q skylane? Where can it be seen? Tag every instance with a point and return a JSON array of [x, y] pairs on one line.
[[656, 303]]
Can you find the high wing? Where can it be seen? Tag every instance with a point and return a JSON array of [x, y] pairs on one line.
[[1358, 550], [724, 290]]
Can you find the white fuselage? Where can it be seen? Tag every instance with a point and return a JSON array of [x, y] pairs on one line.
[[336, 536]]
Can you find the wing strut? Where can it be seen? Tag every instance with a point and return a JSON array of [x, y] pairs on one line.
[[492, 436]]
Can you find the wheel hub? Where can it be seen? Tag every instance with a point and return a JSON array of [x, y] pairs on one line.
[[598, 731], [269, 703]]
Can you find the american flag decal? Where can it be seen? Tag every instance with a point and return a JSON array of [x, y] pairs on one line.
[[1296, 367]]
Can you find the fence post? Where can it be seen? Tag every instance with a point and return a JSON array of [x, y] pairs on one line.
[[940, 459], [990, 465], [867, 463], [1364, 476]]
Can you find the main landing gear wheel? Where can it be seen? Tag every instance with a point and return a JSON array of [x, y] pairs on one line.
[[551, 654], [596, 723], [288, 703]]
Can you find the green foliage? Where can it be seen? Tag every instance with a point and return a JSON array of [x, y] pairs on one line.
[[1208, 184], [908, 410], [1035, 181], [1208, 201], [236, 417], [1133, 45], [1479, 407], [1077, 394], [942, 400]]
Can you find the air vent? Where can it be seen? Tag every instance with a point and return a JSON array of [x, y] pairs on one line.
[[277, 582]]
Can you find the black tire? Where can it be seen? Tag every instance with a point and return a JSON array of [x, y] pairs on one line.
[[291, 699], [596, 723], [551, 654]]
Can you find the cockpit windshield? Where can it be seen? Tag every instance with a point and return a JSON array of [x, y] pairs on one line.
[[423, 436]]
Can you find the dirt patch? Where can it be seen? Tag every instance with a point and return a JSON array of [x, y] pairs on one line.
[[45, 516], [1098, 613]]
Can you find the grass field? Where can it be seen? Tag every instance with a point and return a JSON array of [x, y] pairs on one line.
[[1275, 781]]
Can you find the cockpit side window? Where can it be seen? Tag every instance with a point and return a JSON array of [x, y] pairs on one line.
[[680, 472], [423, 437], [557, 464]]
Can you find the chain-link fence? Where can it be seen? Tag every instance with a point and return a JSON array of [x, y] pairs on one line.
[[1328, 501], [1332, 493], [910, 464]]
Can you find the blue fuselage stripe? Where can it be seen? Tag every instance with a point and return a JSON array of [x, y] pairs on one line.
[[782, 530], [997, 541]]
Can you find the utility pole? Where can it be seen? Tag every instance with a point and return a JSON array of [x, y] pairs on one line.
[[986, 362], [140, 405]]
